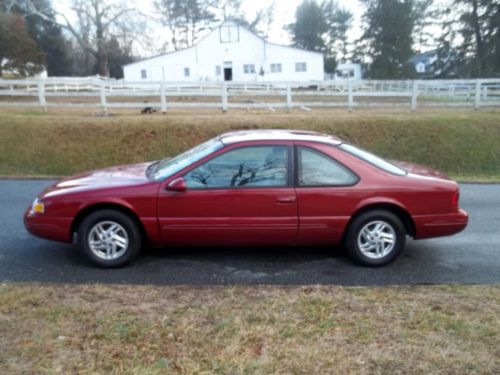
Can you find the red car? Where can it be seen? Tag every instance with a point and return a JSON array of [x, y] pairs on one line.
[[258, 187]]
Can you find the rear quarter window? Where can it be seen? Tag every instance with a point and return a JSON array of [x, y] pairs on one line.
[[318, 169], [372, 159]]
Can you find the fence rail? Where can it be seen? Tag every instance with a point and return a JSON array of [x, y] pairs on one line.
[[107, 94]]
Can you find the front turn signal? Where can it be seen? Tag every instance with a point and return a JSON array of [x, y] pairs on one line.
[[38, 207]]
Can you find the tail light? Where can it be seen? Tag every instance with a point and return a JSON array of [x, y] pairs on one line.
[[455, 198]]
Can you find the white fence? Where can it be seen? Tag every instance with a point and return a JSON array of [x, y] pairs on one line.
[[108, 94]]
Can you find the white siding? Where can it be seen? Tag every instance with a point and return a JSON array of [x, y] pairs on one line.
[[210, 52]]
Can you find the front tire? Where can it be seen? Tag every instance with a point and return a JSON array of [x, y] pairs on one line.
[[375, 238], [109, 238]]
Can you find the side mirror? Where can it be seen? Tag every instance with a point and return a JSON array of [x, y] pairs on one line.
[[178, 185]]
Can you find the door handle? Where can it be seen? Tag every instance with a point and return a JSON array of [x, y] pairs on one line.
[[286, 199]]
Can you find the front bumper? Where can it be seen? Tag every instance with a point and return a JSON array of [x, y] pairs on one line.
[[427, 226], [51, 228]]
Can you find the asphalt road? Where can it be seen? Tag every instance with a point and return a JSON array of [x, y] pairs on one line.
[[472, 256]]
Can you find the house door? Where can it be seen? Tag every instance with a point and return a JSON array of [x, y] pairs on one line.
[[228, 74]]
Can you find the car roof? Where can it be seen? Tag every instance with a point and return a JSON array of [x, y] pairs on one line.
[[278, 135]]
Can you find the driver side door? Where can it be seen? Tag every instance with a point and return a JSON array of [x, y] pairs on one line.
[[243, 195]]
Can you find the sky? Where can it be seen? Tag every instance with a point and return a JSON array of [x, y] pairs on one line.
[[284, 15]]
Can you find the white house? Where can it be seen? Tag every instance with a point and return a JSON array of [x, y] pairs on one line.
[[230, 52], [423, 62], [348, 70]]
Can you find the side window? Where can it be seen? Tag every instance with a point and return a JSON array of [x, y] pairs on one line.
[[300, 67], [242, 167], [248, 68], [318, 169], [276, 68]]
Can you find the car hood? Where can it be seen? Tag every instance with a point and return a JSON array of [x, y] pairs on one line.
[[119, 176], [419, 169]]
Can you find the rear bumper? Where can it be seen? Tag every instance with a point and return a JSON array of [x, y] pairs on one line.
[[51, 228], [427, 226]]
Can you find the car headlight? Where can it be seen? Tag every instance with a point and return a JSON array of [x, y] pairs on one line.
[[38, 207]]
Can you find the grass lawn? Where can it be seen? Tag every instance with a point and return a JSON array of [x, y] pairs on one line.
[[249, 330], [463, 143]]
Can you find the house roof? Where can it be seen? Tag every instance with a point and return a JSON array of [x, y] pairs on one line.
[[213, 30], [423, 57]]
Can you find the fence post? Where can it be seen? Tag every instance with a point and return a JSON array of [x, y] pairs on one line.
[[349, 95], [414, 93], [477, 102], [103, 97], [163, 98], [41, 96], [288, 96], [224, 97]]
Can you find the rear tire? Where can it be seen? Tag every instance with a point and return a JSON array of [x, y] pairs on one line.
[[109, 238], [375, 238]]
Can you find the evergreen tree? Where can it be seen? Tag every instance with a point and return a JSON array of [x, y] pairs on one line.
[[47, 36], [117, 58], [479, 26], [50, 40], [388, 37], [308, 30], [338, 22], [18, 51]]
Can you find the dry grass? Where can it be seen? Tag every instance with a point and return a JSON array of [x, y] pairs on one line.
[[462, 143], [248, 330]]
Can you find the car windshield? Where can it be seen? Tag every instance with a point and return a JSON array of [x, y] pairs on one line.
[[169, 166], [373, 159]]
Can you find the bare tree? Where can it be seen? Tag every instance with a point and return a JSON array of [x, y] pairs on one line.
[[267, 19], [185, 19], [171, 11], [96, 19]]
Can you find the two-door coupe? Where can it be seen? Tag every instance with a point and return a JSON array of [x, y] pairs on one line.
[[256, 187]]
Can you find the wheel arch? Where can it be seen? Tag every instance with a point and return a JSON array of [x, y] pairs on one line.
[[87, 210], [394, 208]]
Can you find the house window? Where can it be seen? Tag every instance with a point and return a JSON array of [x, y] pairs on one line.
[[248, 68], [276, 68], [144, 74], [187, 73], [229, 33], [217, 70], [300, 67]]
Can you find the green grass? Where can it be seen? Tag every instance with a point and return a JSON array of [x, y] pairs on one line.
[[46, 329], [463, 143]]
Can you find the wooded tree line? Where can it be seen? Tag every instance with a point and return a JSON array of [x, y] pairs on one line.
[[98, 36], [464, 33]]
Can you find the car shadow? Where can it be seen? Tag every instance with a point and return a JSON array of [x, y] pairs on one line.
[[255, 254], [289, 254]]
